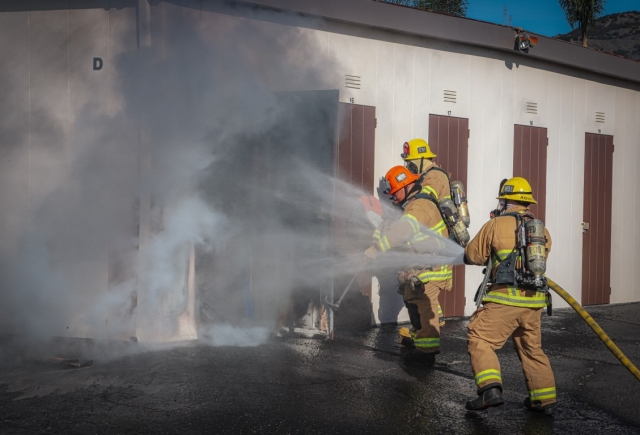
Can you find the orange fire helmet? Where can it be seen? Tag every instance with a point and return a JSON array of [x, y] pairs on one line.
[[397, 178]]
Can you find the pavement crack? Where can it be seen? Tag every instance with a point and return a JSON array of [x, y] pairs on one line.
[[620, 321], [583, 358]]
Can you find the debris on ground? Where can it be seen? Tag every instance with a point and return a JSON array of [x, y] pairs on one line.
[[69, 363]]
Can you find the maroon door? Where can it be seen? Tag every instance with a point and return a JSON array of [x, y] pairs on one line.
[[530, 162], [596, 247], [356, 146], [449, 140], [354, 164]]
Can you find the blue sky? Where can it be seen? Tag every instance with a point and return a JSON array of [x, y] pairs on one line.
[[538, 16]]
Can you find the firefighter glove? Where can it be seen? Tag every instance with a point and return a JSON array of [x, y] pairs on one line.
[[370, 254]]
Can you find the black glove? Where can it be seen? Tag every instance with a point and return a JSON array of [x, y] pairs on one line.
[[416, 284]]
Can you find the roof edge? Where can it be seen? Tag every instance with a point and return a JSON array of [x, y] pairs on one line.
[[465, 31]]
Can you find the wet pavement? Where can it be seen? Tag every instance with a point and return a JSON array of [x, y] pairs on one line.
[[356, 384]]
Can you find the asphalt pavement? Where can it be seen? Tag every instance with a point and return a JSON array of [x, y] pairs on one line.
[[355, 384]]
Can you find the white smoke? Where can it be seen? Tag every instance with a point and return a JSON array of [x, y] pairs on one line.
[[204, 198]]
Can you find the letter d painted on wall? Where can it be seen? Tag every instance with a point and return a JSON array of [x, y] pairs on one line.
[[97, 63]]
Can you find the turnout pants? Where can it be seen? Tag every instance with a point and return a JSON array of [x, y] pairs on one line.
[[489, 329], [423, 314]]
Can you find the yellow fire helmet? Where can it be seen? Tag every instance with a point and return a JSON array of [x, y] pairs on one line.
[[416, 149], [517, 189]]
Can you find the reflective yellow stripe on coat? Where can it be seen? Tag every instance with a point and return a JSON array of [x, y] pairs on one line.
[[443, 273], [429, 191], [513, 297]]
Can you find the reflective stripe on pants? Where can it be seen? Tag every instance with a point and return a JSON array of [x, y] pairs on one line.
[[423, 313], [489, 329]]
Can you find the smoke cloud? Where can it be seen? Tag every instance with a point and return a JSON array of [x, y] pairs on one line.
[[204, 199]]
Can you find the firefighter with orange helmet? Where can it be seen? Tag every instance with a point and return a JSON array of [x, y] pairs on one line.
[[512, 304], [420, 284]]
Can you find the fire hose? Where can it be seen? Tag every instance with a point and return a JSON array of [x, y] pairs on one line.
[[596, 328]]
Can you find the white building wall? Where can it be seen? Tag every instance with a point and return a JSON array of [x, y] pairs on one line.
[[403, 91], [480, 139], [575, 158], [625, 237], [451, 72], [531, 86], [49, 84], [409, 85], [405, 84], [421, 92], [555, 195]]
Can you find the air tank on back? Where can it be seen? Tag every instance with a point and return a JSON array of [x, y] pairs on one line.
[[455, 224], [460, 199], [536, 250]]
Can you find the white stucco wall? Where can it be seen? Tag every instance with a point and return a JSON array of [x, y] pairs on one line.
[[409, 85], [404, 82]]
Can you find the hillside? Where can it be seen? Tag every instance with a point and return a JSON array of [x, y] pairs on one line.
[[615, 33]]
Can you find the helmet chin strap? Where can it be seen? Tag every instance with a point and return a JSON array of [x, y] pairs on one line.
[[403, 203]]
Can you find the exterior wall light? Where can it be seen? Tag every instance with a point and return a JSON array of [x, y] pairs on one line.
[[524, 41]]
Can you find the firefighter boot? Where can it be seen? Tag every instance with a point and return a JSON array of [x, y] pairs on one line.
[[489, 395], [537, 406], [416, 356], [405, 338]]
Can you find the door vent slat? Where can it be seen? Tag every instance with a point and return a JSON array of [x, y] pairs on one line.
[[532, 108], [600, 117]]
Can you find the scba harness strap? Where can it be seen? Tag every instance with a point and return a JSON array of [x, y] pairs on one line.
[[429, 188], [506, 273], [506, 270], [422, 195]]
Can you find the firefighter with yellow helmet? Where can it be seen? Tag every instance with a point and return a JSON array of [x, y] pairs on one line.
[[434, 181], [513, 296], [420, 284], [418, 158]]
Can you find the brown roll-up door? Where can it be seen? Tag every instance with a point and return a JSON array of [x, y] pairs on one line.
[[596, 247], [530, 162], [449, 140]]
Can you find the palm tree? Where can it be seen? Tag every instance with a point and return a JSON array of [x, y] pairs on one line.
[[582, 13]]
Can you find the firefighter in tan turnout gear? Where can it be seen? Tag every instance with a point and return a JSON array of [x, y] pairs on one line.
[[420, 285], [434, 181], [513, 298]]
